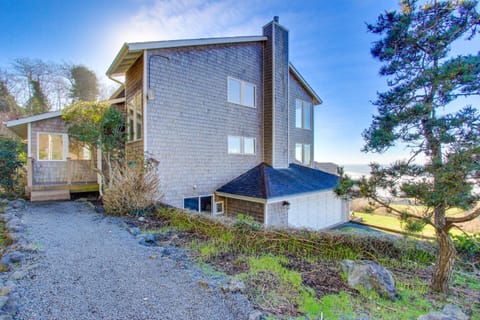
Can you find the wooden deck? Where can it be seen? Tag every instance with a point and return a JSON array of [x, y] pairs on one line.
[[58, 191]]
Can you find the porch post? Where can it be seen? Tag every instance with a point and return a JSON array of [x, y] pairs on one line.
[[69, 171], [29, 172]]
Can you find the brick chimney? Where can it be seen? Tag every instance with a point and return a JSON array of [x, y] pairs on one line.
[[275, 100]]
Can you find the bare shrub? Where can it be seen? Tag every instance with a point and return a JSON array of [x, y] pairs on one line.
[[362, 205], [133, 189]]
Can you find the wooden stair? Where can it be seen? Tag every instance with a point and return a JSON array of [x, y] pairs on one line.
[[49, 195]]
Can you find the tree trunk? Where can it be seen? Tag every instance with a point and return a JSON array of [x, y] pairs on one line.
[[443, 267]]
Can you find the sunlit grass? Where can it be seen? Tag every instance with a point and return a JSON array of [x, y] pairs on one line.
[[395, 223]]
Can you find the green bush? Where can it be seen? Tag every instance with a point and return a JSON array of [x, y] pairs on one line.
[[467, 245], [12, 159]]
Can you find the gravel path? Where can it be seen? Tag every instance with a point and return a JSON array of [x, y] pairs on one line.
[[89, 267]]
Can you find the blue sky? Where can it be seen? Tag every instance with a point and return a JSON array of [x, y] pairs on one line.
[[329, 45]]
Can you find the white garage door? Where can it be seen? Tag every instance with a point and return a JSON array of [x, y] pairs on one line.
[[316, 211]]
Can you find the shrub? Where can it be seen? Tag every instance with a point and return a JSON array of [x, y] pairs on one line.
[[467, 245], [133, 189], [12, 159]]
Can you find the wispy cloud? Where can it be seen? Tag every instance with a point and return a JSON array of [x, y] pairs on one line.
[[176, 19]]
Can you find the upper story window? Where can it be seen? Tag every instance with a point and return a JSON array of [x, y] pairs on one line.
[[241, 145], [134, 117], [52, 146], [303, 114], [241, 92], [303, 153]]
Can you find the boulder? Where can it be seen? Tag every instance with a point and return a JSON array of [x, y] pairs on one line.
[[3, 301], [368, 274], [12, 257], [146, 239], [17, 204], [449, 312], [234, 285], [134, 231]]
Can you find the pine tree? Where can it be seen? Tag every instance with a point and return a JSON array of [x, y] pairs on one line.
[[417, 111]]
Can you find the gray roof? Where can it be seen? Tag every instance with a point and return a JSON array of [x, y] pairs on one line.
[[265, 182]]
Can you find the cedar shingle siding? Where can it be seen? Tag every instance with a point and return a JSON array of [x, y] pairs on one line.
[[190, 119]]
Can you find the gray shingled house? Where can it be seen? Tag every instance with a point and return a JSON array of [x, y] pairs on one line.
[[56, 165], [230, 121]]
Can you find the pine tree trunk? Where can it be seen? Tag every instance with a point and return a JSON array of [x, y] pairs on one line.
[[443, 267]]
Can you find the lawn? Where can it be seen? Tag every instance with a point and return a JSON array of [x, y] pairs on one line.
[[395, 223]]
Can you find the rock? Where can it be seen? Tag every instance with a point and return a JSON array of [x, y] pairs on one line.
[[3, 301], [454, 311], [4, 201], [146, 239], [12, 257], [8, 216], [134, 231], [17, 275], [234, 285], [255, 315], [99, 209], [371, 276], [17, 204], [450, 312], [5, 316], [5, 290], [141, 219]]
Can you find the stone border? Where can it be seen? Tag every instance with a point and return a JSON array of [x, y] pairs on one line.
[[14, 258]]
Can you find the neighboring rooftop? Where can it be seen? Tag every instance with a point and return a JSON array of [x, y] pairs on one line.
[[265, 182]]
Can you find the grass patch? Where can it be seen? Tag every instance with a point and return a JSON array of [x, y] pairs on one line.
[[291, 273], [395, 224]]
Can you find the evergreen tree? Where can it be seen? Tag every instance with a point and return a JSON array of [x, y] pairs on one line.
[[417, 111], [38, 102], [84, 84], [7, 101]]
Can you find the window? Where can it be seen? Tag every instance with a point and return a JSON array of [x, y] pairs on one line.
[[51, 146], [234, 145], [303, 114], [241, 145], [303, 153], [78, 151], [299, 152], [199, 204], [219, 206], [135, 117], [306, 154], [248, 145], [241, 92]]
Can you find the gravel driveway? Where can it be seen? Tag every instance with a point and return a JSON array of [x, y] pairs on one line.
[[89, 267]]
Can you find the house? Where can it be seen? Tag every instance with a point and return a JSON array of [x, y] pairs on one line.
[[56, 165], [230, 121]]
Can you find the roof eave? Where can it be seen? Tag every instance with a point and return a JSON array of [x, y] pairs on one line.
[[316, 99], [142, 46]]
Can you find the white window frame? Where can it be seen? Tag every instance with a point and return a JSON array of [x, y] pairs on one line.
[[132, 106], [217, 203], [303, 146], [242, 92], [242, 146], [304, 104], [64, 145]]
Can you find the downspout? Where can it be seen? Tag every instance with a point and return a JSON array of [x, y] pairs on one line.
[[115, 80]]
